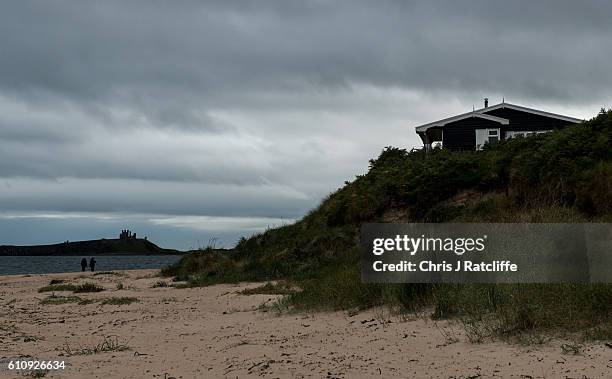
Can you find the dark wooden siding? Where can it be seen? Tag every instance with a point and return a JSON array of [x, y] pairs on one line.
[[461, 135], [527, 121]]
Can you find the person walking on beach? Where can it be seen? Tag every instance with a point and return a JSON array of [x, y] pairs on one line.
[[83, 264], [92, 264]]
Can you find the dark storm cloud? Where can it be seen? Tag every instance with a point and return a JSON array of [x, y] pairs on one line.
[[159, 54], [258, 109]]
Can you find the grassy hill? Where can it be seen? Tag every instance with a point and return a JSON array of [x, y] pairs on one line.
[[93, 247], [564, 176]]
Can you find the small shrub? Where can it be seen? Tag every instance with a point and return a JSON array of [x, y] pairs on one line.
[[119, 301], [120, 286], [88, 287]]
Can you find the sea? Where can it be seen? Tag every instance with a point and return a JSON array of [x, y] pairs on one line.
[[16, 265]]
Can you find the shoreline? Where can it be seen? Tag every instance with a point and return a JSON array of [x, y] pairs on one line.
[[38, 265], [77, 273]]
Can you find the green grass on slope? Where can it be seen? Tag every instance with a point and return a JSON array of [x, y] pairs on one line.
[[564, 176]]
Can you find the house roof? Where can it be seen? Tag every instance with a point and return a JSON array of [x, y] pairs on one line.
[[503, 121], [481, 113]]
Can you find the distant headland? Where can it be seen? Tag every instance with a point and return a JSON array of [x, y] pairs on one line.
[[126, 244]]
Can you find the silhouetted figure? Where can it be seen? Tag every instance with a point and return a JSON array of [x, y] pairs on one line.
[[83, 264], [92, 264]]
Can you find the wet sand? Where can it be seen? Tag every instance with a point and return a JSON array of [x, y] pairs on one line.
[[218, 332]]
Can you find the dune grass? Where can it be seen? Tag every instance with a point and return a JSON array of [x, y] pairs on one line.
[[281, 288], [563, 176], [55, 300], [76, 288], [160, 284], [108, 344], [58, 287], [119, 301], [88, 287]]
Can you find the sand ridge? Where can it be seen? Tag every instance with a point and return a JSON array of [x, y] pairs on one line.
[[217, 332]]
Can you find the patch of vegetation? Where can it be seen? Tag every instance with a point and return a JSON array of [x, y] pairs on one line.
[[78, 288], [160, 284], [37, 374], [563, 176], [281, 288], [58, 287], [108, 273], [56, 281], [106, 345], [572, 348], [88, 287], [120, 286], [54, 300], [119, 301]]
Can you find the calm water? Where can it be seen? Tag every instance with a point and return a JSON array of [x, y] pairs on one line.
[[46, 264]]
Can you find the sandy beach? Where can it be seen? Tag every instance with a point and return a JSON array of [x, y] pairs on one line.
[[219, 332]]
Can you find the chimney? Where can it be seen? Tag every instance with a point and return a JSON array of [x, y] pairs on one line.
[[486, 99]]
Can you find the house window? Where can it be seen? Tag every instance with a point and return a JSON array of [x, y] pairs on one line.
[[484, 136], [493, 136]]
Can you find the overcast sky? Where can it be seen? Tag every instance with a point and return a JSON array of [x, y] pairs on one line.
[[186, 120]]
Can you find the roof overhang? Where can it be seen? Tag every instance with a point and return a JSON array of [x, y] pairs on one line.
[[440, 123], [530, 110]]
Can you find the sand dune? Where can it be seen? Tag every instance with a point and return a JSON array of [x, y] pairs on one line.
[[217, 332]]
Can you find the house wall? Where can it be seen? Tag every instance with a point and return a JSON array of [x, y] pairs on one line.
[[461, 135]]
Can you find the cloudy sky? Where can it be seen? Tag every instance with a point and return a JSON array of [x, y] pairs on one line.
[[191, 120]]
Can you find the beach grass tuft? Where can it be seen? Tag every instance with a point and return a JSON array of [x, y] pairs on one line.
[[54, 300], [160, 284], [77, 288], [58, 287], [106, 345], [281, 288], [119, 300], [88, 287]]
